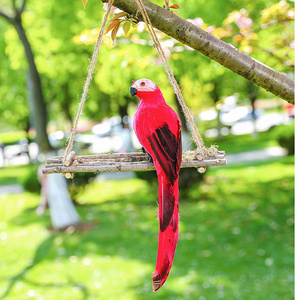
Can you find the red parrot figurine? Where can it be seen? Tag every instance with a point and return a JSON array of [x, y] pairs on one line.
[[158, 129]]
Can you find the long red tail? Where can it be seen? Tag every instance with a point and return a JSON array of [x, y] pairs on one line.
[[168, 230]]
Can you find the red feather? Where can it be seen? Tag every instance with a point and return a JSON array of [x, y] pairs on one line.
[[158, 129]]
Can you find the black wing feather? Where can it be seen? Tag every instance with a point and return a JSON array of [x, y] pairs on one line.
[[167, 151]]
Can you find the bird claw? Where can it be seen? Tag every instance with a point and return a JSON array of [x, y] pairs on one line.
[[149, 157]]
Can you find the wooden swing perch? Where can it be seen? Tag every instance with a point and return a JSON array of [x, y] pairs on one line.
[[118, 162]]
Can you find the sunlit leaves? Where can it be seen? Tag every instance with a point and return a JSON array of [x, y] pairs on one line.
[[240, 18], [120, 15], [280, 12], [87, 37], [115, 30], [126, 27], [116, 21], [221, 32], [175, 6], [239, 28], [114, 24]]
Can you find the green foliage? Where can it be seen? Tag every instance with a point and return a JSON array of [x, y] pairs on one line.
[[236, 241], [285, 135], [78, 184], [30, 181], [188, 178], [150, 177], [241, 143], [13, 104], [12, 137], [51, 29], [11, 175]]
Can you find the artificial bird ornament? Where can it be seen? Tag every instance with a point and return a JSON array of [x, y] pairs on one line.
[[158, 129]]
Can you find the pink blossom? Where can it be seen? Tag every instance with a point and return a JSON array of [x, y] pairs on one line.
[[113, 8], [243, 22], [198, 21], [210, 28]]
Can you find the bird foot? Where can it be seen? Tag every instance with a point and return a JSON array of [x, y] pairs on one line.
[[149, 157]]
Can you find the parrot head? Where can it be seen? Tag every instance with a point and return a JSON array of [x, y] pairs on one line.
[[142, 86]]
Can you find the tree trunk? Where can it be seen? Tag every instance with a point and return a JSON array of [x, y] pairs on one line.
[[34, 83], [67, 102], [252, 93], [123, 111], [62, 210], [215, 95], [225, 54], [186, 137]]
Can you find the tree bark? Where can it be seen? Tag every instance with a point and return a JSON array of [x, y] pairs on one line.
[[215, 95], [62, 209], [225, 54], [252, 94], [67, 102]]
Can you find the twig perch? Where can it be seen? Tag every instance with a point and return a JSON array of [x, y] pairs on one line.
[[115, 162]]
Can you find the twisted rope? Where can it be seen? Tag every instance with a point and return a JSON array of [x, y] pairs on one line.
[[88, 79], [189, 118]]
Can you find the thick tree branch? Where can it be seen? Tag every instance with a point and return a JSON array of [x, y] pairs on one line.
[[23, 6], [187, 33]]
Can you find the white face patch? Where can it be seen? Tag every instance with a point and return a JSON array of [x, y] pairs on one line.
[[145, 85]]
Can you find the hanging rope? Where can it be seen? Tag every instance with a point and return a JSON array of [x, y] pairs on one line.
[[195, 134], [88, 79], [189, 118]]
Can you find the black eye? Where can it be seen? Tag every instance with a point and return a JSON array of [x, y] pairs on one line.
[[143, 83]]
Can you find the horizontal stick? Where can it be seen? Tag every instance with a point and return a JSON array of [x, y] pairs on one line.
[[128, 156], [114, 163], [87, 164]]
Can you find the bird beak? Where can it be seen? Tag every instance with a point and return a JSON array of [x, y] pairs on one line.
[[133, 91]]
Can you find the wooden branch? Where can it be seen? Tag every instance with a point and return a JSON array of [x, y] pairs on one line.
[[23, 6], [225, 54], [14, 6], [70, 159], [119, 162]]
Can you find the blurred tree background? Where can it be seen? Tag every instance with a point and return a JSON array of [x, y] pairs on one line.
[[236, 231], [54, 30]]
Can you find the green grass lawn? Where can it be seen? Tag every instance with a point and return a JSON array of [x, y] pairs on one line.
[[236, 241], [12, 137], [12, 175], [242, 143]]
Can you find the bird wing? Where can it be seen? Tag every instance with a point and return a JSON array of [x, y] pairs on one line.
[[167, 150]]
